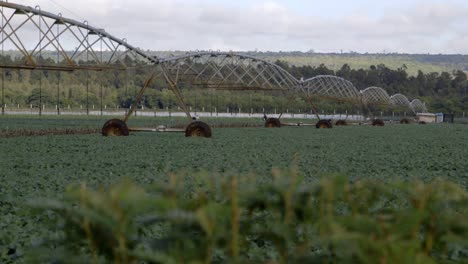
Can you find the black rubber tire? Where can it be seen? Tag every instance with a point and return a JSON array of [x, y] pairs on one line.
[[341, 123], [422, 122], [405, 121], [115, 128], [272, 122], [378, 122], [324, 123], [198, 129]]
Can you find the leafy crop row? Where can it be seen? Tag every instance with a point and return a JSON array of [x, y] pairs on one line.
[[32, 167], [37, 125], [206, 219]]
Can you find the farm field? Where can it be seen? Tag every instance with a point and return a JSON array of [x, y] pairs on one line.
[[43, 166], [25, 122], [11, 123]]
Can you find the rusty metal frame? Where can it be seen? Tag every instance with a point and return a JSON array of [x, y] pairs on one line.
[[224, 71], [78, 33], [139, 96], [220, 70], [176, 91]]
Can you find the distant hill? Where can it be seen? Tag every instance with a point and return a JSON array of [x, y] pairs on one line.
[[414, 62], [425, 62]]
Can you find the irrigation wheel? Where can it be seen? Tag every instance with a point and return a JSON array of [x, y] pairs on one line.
[[272, 122], [422, 122], [324, 123], [405, 121], [115, 128], [341, 123], [198, 129], [378, 122]]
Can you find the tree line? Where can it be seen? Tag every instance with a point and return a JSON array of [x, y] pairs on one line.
[[443, 92]]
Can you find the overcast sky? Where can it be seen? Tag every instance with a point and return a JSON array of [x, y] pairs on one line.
[[404, 26]]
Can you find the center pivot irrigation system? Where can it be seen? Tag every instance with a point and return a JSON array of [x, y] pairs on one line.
[[32, 32]]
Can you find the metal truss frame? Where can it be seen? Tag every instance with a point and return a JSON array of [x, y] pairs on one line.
[[375, 95], [221, 71], [378, 96], [400, 100], [331, 87], [418, 106], [227, 71], [79, 46]]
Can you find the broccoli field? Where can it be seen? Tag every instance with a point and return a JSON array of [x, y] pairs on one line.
[[44, 166]]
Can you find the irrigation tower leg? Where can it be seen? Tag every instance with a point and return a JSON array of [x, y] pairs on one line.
[[139, 96], [312, 105], [366, 107], [288, 103], [180, 98]]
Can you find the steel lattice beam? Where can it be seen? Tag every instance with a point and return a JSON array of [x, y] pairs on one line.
[[375, 95], [400, 100], [331, 87], [227, 71], [418, 106], [75, 45]]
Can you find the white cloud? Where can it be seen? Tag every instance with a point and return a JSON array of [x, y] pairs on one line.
[[429, 26]]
